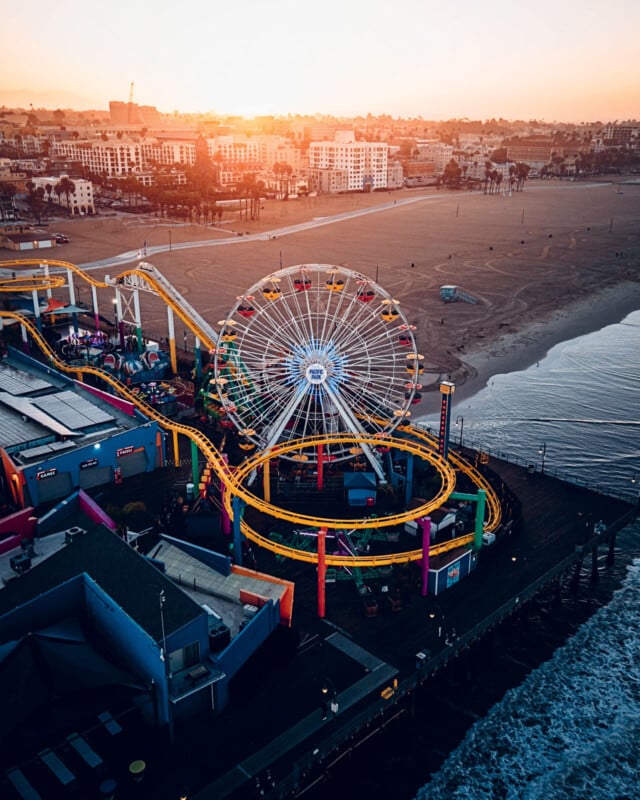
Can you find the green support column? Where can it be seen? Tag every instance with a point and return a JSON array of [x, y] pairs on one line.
[[480, 500], [195, 471], [237, 506]]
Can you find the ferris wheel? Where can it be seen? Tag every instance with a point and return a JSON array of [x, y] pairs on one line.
[[316, 350]]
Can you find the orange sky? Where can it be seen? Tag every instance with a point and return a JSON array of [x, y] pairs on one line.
[[563, 60]]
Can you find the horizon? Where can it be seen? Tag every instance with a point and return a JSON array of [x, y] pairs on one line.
[[550, 62]]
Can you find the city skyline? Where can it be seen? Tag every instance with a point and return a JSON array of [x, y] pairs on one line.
[[562, 61]]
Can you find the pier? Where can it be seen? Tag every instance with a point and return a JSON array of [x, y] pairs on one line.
[[401, 652]]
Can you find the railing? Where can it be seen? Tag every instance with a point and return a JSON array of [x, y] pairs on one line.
[[567, 477]]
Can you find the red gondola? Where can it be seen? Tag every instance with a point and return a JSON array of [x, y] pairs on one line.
[[302, 284], [404, 340], [246, 311], [366, 295]]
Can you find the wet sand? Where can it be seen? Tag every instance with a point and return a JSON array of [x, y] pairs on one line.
[[552, 262]]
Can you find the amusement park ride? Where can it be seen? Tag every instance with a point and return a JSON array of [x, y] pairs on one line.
[[315, 366]]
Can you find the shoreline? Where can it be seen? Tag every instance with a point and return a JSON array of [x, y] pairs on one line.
[[517, 351], [547, 265]]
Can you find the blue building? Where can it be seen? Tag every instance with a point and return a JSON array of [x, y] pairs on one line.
[[58, 434]]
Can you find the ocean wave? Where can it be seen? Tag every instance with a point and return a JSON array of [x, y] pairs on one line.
[[571, 730]]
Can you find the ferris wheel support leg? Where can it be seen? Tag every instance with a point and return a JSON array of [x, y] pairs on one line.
[[354, 426]]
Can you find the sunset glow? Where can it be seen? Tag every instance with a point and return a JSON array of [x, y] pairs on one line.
[[569, 61]]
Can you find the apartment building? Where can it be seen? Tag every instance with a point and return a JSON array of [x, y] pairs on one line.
[[365, 163], [80, 202]]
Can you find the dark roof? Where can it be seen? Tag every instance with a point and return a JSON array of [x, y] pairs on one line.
[[126, 576], [18, 238]]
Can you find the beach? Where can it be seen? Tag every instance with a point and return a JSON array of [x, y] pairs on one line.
[[552, 262]]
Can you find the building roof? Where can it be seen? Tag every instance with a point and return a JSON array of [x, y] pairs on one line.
[[127, 577]]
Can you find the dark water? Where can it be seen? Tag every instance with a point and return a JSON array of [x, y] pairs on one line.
[[549, 709]]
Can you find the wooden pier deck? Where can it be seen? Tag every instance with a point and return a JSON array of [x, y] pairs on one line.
[[555, 535]]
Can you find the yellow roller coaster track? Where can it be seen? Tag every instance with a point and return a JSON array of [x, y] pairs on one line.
[[44, 282], [232, 479]]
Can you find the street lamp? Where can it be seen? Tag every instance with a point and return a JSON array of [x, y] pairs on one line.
[[170, 242], [460, 422], [163, 652], [543, 453]]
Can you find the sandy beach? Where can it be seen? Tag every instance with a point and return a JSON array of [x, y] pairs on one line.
[[547, 264]]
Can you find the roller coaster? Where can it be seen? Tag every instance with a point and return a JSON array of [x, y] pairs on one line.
[[315, 361]]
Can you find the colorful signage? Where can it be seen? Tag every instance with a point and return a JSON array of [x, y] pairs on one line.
[[46, 473]]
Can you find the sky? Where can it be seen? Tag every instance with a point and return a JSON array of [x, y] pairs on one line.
[[564, 60]]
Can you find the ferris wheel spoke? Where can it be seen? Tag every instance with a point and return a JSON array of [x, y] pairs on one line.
[[314, 350]]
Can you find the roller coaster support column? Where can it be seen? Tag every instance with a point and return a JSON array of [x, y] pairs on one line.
[[447, 388], [195, 470], [320, 462], [197, 355], [480, 500], [72, 299], [408, 484], [136, 311], [120, 320], [36, 309], [176, 448], [25, 339], [94, 301], [425, 524], [45, 267], [322, 571], [237, 505], [266, 481], [225, 522], [172, 341]]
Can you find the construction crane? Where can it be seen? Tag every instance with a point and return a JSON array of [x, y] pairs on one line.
[[130, 106]]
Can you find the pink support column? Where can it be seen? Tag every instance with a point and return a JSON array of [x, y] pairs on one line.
[[425, 524], [320, 466], [322, 570]]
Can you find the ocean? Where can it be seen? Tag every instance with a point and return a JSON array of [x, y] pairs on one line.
[[548, 707], [571, 729]]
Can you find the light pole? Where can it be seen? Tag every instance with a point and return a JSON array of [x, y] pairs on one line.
[[170, 242], [543, 453], [460, 422], [634, 482], [163, 652]]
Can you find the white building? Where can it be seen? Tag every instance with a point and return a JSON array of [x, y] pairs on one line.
[[81, 201], [365, 163]]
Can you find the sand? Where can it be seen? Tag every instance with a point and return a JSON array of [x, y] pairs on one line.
[[547, 264]]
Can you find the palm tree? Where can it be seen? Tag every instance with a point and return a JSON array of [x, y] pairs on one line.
[[67, 188]]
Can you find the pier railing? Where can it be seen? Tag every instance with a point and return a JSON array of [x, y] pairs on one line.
[[627, 496], [344, 735]]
